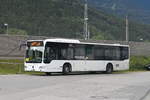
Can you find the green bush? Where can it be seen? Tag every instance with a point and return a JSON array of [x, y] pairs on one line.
[[138, 62]]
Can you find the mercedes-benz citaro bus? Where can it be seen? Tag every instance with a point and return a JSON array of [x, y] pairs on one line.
[[69, 55]]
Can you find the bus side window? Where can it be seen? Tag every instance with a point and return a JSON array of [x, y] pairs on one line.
[[49, 54], [108, 54], [70, 54], [89, 52], [63, 55], [79, 52], [99, 53], [46, 55], [66, 54], [124, 53], [117, 51]]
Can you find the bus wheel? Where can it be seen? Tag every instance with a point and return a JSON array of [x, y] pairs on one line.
[[48, 73], [109, 68], [66, 69]]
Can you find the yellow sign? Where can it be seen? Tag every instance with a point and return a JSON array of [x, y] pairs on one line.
[[27, 59]]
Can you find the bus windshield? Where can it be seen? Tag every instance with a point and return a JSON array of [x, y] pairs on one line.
[[34, 54]]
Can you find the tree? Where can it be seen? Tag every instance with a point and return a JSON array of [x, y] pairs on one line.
[[14, 31]]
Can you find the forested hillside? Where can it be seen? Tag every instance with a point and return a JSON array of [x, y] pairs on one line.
[[64, 18], [138, 10]]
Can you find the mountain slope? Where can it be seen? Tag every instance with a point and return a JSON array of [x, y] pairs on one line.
[[64, 18], [138, 10]]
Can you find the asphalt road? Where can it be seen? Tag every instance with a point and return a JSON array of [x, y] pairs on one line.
[[126, 86]]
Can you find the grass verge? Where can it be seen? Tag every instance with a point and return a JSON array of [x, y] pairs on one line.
[[137, 63], [12, 68], [7, 66]]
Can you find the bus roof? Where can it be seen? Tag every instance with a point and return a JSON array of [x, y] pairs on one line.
[[104, 44], [61, 40]]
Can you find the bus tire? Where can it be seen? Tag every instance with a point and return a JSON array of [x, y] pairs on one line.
[[66, 69], [48, 73], [109, 68]]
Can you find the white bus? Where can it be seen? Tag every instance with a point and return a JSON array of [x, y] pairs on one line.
[[68, 55]]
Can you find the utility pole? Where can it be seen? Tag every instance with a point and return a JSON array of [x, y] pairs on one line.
[[127, 29], [6, 25], [86, 31]]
